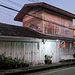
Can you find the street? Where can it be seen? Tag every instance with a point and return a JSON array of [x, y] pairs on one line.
[[61, 71]]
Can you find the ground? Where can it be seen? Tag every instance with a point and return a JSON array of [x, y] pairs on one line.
[[65, 68], [59, 71]]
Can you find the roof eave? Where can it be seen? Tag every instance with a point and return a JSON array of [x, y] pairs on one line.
[[27, 7]]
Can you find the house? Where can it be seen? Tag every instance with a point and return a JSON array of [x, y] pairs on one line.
[[44, 26]]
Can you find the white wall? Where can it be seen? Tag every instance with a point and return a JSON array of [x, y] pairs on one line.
[[51, 48], [35, 52], [23, 50], [13, 49]]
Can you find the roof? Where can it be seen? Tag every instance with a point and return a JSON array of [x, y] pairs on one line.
[[17, 31], [7, 30], [28, 7]]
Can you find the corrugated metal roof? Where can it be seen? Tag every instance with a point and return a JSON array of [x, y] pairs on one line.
[[11, 30], [28, 7], [18, 31]]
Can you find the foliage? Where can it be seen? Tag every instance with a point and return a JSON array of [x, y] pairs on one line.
[[20, 61], [2, 57], [8, 62], [74, 55], [27, 62], [48, 57]]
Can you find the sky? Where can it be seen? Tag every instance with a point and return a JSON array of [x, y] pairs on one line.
[[7, 16]]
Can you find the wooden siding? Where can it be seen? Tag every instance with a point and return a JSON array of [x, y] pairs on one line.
[[52, 22], [34, 23], [55, 26]]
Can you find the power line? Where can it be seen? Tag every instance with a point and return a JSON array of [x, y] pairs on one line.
[[49, 21], [6, 4], [9, 8], [36, 17], [41, 18]]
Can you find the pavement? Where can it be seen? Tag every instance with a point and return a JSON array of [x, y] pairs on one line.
[[36, 68]]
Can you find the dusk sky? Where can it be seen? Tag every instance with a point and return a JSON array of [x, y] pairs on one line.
[[7, 16]]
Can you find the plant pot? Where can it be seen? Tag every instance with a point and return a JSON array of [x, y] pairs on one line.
[[23, 65], [27, 65], [46, 61], [18, 65], [13, 66], [50, 61]]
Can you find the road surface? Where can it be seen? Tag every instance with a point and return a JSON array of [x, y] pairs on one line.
[[60, 71]]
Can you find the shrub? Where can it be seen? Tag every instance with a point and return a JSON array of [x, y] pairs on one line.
[[8, 62], [48, 59], [27, 63], [74, 55]]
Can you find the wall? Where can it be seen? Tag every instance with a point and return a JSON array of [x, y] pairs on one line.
[[13, 49], [52, 23], [32, 22], [23, 50], [51, 48], [35, 52], [55, 22]]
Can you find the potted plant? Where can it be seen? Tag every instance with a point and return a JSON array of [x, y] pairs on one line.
[[10, 61], [15, 62], [20, 62], [48, 59], [23, 63], [27, 63], [2, 61]]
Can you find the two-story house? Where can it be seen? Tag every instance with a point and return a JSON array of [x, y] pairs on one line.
[[44, 26]]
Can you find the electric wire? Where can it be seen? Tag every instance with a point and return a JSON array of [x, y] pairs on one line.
[[43, 19], [6, 4], [36, 17]]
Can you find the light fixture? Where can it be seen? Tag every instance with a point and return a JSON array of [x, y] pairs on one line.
[[57, 40]]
